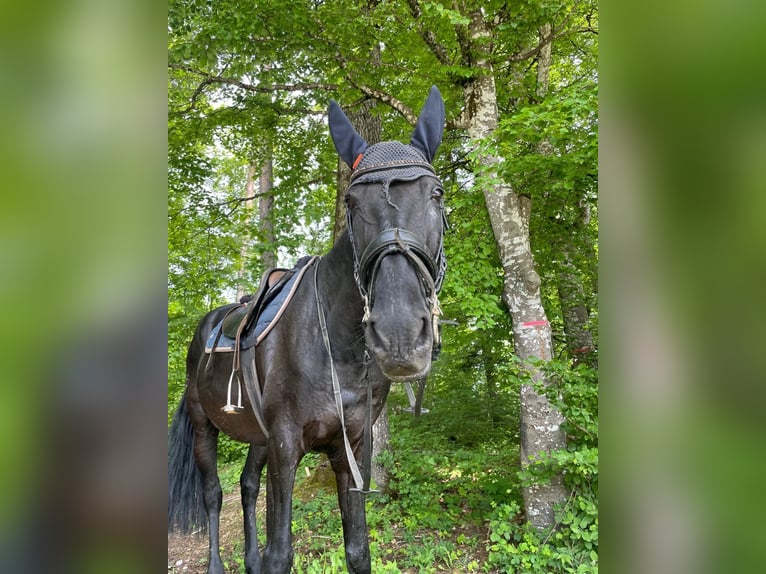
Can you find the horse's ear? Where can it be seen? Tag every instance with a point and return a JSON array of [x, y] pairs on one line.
[[346, 139], [430, 127]]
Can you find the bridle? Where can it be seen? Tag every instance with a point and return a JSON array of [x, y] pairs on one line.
[[430, 270]]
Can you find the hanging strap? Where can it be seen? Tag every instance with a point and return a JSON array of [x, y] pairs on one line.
[[367, 435], [253, 390], [362, 483], [252, 384]]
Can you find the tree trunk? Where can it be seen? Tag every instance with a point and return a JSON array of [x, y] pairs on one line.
[[572, 296], [243, 280], [540, 430], [381, 442], [543, 62], [489, 359], [265, 202], [571, 293], [266, 228]]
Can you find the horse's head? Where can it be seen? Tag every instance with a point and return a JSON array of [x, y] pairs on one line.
[[396, 225]]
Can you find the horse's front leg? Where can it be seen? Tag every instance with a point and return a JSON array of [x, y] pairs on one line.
[[250, 483], [283, 458], [352, 510]]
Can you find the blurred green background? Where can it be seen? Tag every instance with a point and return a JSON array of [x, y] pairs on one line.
[[682, 203], [82, 272]]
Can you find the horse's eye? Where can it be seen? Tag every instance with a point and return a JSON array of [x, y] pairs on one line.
[[437, 193], [350, 202]]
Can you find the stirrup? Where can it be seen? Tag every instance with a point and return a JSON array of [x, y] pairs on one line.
[[229, 408]]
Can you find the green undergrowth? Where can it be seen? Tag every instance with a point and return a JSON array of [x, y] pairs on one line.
[[454, 498]]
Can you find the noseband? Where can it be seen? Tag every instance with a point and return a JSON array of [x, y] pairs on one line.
[[390, 242]]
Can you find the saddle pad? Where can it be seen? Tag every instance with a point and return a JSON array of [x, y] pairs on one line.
[[266, 318]]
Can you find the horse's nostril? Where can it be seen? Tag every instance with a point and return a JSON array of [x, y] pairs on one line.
[[376, 340]]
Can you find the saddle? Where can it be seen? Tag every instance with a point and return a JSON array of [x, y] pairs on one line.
[[250, 322]]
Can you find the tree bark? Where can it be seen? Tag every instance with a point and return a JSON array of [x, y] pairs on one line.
[[381, 442], [266, 227], [243, 281], [573, 300], [543, 62], [540, 423], [574, 309], [265, 203]]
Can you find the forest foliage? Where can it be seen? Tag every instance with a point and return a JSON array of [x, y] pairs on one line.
[[248, 83]]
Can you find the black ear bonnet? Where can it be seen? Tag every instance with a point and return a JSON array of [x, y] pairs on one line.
[[387, 161]]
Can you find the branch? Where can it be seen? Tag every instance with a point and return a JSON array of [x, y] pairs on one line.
[[399, 106], [520, 57], [197, 93], [372, 92], [554, 35], [428, 36], [242, 199], [212, 78]]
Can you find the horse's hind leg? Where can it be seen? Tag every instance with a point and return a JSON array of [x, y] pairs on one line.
[[205, 446], [250, 483]]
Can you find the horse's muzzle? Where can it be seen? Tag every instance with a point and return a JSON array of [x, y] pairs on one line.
[[401, 350]]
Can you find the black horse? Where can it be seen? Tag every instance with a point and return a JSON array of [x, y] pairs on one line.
[[365, 315]]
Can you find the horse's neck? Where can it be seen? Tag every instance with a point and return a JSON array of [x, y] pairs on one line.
[[339, 294]]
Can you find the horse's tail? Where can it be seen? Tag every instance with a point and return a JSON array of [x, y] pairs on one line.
[[186, 506]]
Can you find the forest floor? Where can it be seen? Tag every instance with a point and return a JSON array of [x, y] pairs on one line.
[[188, 553]]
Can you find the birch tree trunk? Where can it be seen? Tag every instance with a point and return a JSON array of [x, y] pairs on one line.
[[540, 430]]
